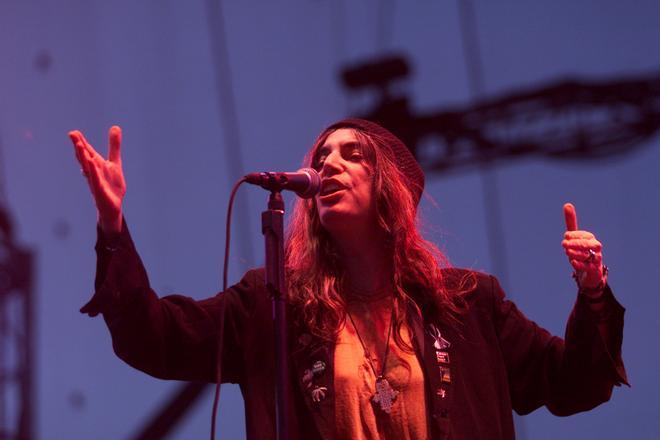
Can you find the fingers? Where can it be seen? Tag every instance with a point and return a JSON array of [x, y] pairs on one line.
[[570, 217], [82, 155], [95, 184], [581, 254], [582, 244], [583, 250], [104, 177], [584, 235], [79, 150], [90, 161], [584, 256], [79, 139], [114, 136], [585, 266], [579, 244]]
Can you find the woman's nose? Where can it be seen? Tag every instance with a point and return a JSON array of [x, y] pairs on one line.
[[331, 166]]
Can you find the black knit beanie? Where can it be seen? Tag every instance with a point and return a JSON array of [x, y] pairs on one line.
[[396, 151]]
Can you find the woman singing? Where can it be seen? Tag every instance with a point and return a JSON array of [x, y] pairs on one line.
[[386, 340]]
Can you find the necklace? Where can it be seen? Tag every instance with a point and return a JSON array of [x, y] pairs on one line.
[[385, 395]]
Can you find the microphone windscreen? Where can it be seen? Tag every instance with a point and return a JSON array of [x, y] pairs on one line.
[[314, 183]]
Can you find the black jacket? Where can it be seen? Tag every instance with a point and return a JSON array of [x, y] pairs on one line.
[[498, 360]]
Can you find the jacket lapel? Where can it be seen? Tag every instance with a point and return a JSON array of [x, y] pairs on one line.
[[313, 361], [434, 350]]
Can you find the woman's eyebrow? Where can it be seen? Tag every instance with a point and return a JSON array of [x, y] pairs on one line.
[[325, 149], [352, 145]]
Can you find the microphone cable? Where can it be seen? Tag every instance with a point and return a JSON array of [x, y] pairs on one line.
[[221, 311]]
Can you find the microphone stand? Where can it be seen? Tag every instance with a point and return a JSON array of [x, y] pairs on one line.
[[272, 227]]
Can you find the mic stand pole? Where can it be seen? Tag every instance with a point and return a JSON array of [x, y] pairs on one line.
[[272, 227]]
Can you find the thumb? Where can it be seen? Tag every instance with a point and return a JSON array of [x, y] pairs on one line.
[[571, 217], [114, 135]]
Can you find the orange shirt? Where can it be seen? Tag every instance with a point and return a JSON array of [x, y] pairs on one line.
[[356, 415]]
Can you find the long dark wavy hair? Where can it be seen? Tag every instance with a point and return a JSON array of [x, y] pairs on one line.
[[315, 274]]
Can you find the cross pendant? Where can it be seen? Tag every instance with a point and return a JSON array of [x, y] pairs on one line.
[[385, 395]]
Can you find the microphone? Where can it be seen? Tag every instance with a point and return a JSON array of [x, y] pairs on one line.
[[305, 182]]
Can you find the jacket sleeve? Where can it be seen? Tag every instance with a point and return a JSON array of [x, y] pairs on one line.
[[568, 376], [174, 337]]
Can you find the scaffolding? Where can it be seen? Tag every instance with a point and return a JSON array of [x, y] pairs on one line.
[[16, 337]]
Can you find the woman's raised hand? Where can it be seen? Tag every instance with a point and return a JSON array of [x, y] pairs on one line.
[[584, 251], [105, 177]]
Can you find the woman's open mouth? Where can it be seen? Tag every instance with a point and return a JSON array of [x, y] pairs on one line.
[[331, 196], [331, 189]]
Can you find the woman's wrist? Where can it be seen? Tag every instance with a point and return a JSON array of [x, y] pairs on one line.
[[110, 224], [595, 293]]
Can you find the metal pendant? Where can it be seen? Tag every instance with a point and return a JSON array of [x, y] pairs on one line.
[[385, 395]]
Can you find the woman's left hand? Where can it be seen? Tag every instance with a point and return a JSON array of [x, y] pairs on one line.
[[584, 252]]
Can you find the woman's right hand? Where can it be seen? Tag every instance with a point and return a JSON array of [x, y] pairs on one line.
[[105, 177]]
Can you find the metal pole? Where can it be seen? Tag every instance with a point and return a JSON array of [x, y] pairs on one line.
[[272, 227]]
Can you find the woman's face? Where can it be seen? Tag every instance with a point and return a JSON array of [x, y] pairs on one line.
[[346, 201]]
